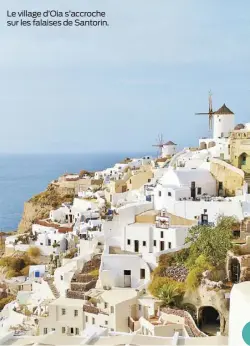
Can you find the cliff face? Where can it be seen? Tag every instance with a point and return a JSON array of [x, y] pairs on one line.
[[39, 206]]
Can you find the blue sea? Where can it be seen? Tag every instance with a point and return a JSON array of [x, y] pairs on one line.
[[22, 176]]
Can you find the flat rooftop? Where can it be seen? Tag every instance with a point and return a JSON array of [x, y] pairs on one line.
[[68, 302], [174, 219]]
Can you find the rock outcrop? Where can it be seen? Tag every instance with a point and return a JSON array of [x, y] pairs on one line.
[[205, 297], [39, 206]]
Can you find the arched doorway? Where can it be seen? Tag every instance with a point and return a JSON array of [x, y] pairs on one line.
[[203, 145], [235, 270], [211, 144], [209, 320], [242, 160]]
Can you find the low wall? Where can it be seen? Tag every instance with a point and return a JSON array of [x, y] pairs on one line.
[[231, 177]]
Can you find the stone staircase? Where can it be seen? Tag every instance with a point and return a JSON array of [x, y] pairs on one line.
[[53, 288], [82, 281]]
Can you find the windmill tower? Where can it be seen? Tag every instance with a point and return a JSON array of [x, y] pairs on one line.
[[159, 144], [210, 111], [221, 121]]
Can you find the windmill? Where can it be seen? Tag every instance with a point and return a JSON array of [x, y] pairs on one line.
[[159, 144], [210, 111]]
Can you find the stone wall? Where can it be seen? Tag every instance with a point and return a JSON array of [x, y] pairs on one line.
[[231, 177], [202, 297]]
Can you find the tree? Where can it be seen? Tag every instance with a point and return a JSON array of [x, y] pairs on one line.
[[211, 241]]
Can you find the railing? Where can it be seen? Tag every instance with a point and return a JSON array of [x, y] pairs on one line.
[[161, 225]]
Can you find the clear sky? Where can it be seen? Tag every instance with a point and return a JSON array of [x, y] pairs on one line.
[[115, 88]]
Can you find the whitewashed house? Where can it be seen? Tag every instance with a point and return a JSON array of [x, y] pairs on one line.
[[52, 240], [123, 270], [151, 238], [112, 308], [183, 184], [65, 317]]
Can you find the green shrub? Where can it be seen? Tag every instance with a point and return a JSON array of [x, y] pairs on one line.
[[166, 289], [25, 271], [11, 273], [5, 301], [71, 253], [34, 251], [171, 293], [211, 241], [200, 265], [94, 272]]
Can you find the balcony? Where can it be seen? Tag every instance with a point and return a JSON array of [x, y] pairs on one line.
[[161, 225], [133, 324]]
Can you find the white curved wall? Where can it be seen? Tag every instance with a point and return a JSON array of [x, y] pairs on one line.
[[223, 124], [239, 312]]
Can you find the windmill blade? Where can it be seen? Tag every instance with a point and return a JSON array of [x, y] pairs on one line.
[[201, 113]]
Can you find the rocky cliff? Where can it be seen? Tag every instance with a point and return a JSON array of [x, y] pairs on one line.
[[39, 206]]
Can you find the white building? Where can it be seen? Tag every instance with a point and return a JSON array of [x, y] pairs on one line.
[[153, 238], [223, 124], [65, 317], [81, 210], [111, 309], [183, 184], [123, 270], [52, 240]]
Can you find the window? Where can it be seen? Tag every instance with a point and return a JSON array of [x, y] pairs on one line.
[[45, 330], [149, 180], [63, 330], [61, 277], [77, 331], [112, 329], [53, 329], [86, 319], [205, 210], [144, 243], [71, 330], [128, 241], [112, 309], [63, 312], [93, 320], [76, 313], [142, 273], [162, 234], [105, 305], [169, 245], [154, 242], [199, 191], [106, 323], [49, 242], [169, 194], [139, 307], [159, 193]]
